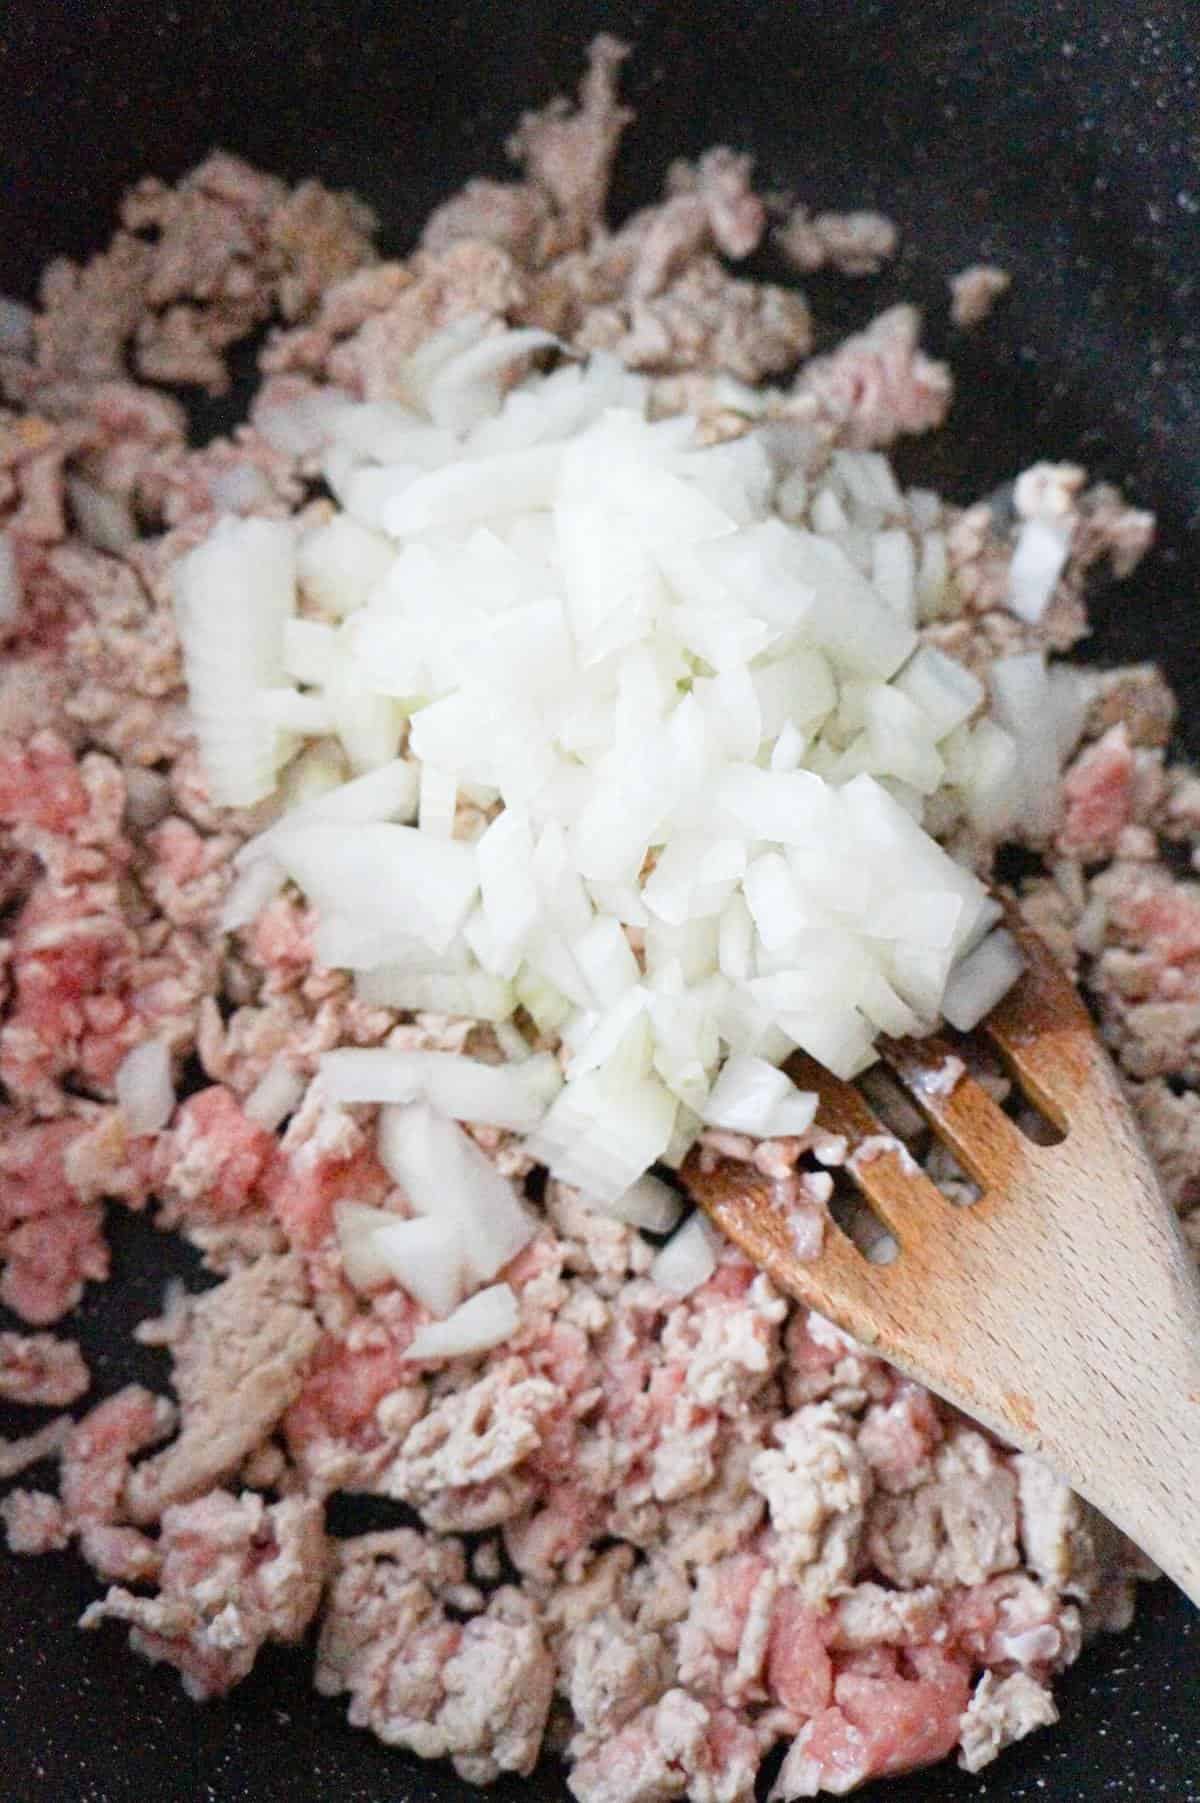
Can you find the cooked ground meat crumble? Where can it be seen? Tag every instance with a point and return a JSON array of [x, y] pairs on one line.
[[661, 1537]]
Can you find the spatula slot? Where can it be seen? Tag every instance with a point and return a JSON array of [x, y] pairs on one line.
[[1036, 1125], [853, 1215], [959, 1188]]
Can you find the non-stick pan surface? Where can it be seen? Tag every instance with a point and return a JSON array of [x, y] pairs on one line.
[[1058, 140]]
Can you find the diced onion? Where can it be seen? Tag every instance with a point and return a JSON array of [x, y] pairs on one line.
[[689, 1257], [1038, 561], [648, 1203], [647, 760], [1023, 703], [752, 1096], [10, 583], [945, 692], [383, 871], [984, 976], [356, 1225], [426, 1257], [488, 1319], [515, 1096], [444, 1175], [233, 594], [277, 1094], [144, 1088]]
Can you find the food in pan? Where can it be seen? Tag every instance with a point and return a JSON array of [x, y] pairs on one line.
[[431, 810]]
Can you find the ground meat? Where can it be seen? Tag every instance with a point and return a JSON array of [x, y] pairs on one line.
[[890, 1713], [239, 1353], [817, 1487], [570, 154], [677, 1748], [611, 1669], [514, 215], [879, 384], [706, 319], [213, 1156], [1001, 1711], [235, 1573], [975, 291], [37, 1368], [460, 1464], [45, 1442], [1136, 696], [960, 1527], [34, 1522], [51, 1240], [478, 1692], [1171, 1124], [729, 1526], [1098, 791], [193, 270], [99, 1451], [852, 243]]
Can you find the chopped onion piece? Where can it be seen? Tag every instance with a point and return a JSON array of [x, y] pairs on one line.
[[515, 1096], [943, 690], [604, 1131], [894, 573], [466, 389], [277, 1094], [438, 801], [1071, 693], [465, 493], [310, 650], [289, 711], [981, 979], [340, 562], [736, 940], [144, 1089], [384, 872], [473, 994], [605, 960], [486, 1320], [847, 619], [993, 787], [233, 595], [689, 1257], [1023, 703], [426, 1258], [1038, 561], [445, 1175], [752, 1096], [356, 1225], [790, 807], [253, 887], [547, 1007], [10, 582], [841, 1039], [649, 1203], [387, 793], [868, 480]]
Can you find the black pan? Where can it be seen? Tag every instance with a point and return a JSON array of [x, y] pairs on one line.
[[1057, 140]]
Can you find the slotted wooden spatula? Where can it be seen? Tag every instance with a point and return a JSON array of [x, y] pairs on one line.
[[1061, 1309]]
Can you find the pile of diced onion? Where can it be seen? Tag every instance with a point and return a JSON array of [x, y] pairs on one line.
[[582, 725]]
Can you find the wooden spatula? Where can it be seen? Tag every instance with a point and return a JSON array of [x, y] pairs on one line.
[[1062, 1309]]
